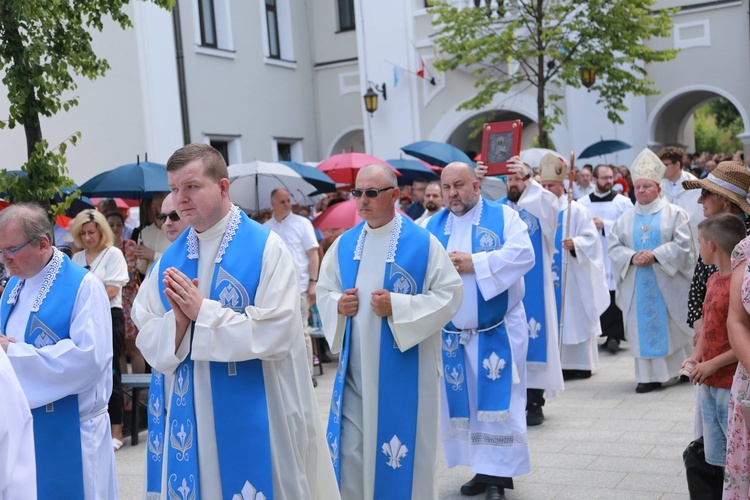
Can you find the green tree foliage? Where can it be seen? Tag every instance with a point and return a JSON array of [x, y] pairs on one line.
[[550, 42], [716, 125], [44, 45]]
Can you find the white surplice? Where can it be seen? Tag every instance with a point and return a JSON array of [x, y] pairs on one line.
[[544, 206], [494, 448], [686, 199], [17, 461], [675, 261], [270, 331], [81, 364], [416, 321], [586, 291], [608, 212]]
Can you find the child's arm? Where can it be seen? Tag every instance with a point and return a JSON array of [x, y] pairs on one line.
[[695, 357], [704, 370], [738, 322]]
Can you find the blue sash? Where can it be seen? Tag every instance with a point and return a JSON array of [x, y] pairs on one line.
[[653, 329], [238, 388], [398, 395], [533, 301], [57, 426], [495, 376], [557, 267]]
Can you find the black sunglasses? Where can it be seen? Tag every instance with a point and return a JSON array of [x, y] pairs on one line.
[[370, 193], [174, 217], [705, 193]]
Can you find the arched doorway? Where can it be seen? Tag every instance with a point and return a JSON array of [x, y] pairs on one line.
[[349, 141], [671, 120], [465, 138]]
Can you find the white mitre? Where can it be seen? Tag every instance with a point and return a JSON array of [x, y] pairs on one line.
[[648, 166]]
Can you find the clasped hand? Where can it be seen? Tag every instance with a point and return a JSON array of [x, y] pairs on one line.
[[348, 304], [643, 258], [183, 295]]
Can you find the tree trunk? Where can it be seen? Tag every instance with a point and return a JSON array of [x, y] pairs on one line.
[[542, 84]]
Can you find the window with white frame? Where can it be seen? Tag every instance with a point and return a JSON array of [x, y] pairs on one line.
[[213, 29], [276, 29], [288, 150], [346, 15], [227, 145]]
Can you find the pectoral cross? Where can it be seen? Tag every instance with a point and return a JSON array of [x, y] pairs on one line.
[[644, 238]]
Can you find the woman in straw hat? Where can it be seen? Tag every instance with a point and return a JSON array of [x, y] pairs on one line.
[[652, 254]]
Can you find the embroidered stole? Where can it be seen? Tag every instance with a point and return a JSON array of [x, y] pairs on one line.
[[533, 301], [238, 388], [57, 426], [398, 372], [557, 264], [496, 375], [651, 310]]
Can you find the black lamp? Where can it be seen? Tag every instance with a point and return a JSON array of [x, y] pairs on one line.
[[371, 97], [588, 77]]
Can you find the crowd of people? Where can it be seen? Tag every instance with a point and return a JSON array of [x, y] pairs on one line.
[[451, 315]]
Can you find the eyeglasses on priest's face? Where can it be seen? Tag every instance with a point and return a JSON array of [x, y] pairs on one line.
[[370, 193], [173, 216], [11, 252]]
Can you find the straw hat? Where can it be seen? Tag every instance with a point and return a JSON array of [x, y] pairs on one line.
[[648, 166], [551, 168], [729, 179]]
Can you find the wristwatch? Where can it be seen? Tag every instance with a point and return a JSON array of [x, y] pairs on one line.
[[313, 281]]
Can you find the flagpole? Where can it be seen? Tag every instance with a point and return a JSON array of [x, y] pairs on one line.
[[564, 282]]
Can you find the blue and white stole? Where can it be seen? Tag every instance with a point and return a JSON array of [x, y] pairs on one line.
[[238, 388], [651, 310], [533, 301], [557, 264], [57, 426], [495, 376], [398, 372]]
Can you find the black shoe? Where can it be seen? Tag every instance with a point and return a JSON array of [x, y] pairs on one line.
[[684, 378], [473, 487], [613, 345], [324, 358], [583, 374], [495, 492], [644, 387], [569, 374], [315, 381], [534, 415]]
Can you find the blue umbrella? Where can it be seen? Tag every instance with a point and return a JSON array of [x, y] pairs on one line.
[[133, 181], [436, 153], [318, 179], [604, 148], [412, 170]]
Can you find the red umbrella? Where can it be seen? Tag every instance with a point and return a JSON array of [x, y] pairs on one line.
[[342, 215], [343, 168]]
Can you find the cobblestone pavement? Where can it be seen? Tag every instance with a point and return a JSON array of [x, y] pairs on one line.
[[600, 440]]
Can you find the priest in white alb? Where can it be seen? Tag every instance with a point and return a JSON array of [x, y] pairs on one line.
[[651, 248], [232, 412], [56, 328], [538, 208], [484, 346], [583, 283], [385, 289]]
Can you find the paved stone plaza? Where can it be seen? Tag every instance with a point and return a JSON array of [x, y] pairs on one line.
[[601, 440]]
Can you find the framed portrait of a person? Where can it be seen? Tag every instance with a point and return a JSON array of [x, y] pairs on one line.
[[500, 141]]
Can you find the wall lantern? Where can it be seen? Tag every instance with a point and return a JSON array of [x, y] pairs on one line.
[[371, 97], [588, 77]]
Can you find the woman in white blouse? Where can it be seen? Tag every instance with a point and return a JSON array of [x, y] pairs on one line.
[[91, 232]]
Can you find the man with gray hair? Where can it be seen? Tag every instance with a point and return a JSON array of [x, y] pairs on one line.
[[385, 322], [484, 346], [56, 328]]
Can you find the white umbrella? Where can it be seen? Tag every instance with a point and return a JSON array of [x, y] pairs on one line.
[[494, 188], [251, 185], [533, 156]]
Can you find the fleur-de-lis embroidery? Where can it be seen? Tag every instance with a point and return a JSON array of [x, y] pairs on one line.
[[156, 376], [185, 491], [155, 407], [494, 365], [336, 406], [455, 376], [182, 441], [450, 344], [395, 451], [155, 446], [182, 385], [534, 327], [555, 276], [333, 447], [249, 493]]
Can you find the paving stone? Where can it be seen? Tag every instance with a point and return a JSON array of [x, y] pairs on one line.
[[655, 482], [640, 465]]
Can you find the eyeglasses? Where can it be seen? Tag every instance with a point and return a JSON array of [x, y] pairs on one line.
[[11, 252], [173, 216], [370, 193], [705, 193]]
